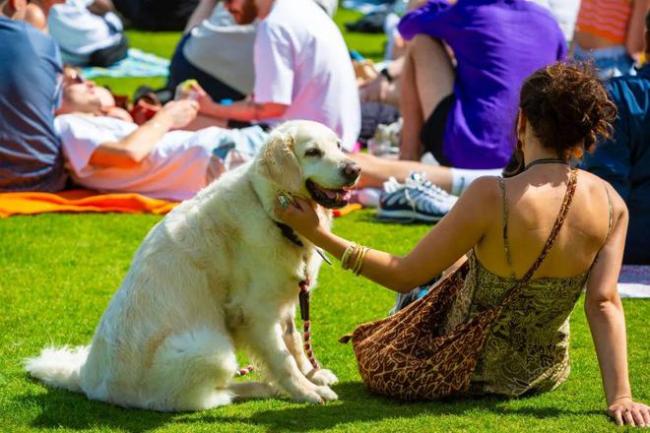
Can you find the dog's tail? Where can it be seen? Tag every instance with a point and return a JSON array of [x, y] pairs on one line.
[[59, 367]]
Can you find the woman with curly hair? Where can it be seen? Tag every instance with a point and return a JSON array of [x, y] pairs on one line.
[[550, 226]]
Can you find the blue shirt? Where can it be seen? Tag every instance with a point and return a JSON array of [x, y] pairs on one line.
[[31, 158], [624, 161], [497, 44]]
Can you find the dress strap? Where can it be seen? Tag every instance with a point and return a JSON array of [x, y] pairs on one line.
[[505, 217], [559, 221]]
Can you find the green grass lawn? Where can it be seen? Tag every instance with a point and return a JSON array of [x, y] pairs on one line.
[[58, 272]]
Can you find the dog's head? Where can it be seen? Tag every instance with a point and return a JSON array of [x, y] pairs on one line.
[[304, 158]]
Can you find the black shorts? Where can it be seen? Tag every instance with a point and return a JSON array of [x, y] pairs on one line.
[[432, 133]]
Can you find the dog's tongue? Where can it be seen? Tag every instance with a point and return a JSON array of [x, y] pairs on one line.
[[337, 195], [332, 195]]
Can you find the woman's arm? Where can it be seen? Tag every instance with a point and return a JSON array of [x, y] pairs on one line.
[[135, 147], [448, 241], [607, 323], [635, 28]]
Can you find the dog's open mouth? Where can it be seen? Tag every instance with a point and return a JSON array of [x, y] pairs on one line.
[[329, 198]]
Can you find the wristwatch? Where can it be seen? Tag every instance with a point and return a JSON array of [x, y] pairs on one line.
[[384, 72]]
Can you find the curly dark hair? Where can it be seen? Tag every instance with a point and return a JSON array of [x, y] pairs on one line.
[[568, 108]]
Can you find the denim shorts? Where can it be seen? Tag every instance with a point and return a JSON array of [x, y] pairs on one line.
[[609, 62]]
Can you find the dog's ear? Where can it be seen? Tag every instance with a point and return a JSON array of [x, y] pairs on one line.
[[279, 161]]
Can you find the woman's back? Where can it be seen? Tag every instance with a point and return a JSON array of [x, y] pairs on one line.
[[532, 202]]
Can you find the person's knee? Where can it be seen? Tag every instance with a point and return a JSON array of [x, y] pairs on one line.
[[426, 44]]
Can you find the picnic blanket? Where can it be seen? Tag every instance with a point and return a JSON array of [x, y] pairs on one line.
[[82, 200], [79, 200], [634, 281], [136, 64]]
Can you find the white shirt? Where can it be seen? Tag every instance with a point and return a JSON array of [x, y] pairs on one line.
[[175, 169], [301, 61], [565, 12], [79, 32], [223, 49]]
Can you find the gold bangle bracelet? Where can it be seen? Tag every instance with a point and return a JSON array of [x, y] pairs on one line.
[[346, 256], [359, 263], [353, 257], [362, 260], [358, 259]]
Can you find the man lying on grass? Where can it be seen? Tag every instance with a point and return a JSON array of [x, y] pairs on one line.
[[106, 151]]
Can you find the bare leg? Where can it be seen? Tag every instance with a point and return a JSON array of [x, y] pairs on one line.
[[409, 107], [375, 171], [434, 72], [427, 78]]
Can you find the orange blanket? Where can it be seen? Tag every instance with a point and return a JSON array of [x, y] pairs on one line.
[[80, 200]]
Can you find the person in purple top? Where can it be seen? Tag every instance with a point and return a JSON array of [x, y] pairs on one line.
[[460, 85], [496, 44]]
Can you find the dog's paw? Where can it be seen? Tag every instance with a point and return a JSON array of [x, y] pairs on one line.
[[322, 377], [326, 393], [312, 396]]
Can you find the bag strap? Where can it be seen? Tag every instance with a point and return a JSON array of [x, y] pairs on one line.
[[559, 221]]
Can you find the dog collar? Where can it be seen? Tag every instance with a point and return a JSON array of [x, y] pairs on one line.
[[290, 234]]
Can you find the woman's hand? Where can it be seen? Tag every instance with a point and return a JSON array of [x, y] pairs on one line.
[[626, 411], [299, 214]]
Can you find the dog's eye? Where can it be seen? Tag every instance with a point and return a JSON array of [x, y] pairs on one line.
[[314, 152], [338, 143]]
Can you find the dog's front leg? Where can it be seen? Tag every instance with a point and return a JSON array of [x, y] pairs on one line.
[[294, 343], [267, 342]]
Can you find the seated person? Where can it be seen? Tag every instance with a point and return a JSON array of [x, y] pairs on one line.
[[625, 159], [610, 33], [462, 111], [30, 72], [218, 53], [302, 70], [511, 233], [108, 153], [463, 114], [87, 38]]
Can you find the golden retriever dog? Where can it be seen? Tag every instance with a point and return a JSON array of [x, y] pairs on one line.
[[216, 275]]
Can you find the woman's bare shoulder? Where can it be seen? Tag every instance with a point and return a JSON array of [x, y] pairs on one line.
[[597, 186]]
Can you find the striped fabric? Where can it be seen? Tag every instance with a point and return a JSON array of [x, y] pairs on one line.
[[607, 19]]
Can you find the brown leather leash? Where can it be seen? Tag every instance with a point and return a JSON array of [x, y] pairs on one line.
[[303, 297]]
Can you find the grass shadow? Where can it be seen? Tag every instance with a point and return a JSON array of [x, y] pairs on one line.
[[358, 405], [63, 409]]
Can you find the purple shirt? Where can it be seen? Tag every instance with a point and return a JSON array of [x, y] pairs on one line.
[[497, 44]]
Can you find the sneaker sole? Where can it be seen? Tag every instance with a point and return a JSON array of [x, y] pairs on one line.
[[407, 215]]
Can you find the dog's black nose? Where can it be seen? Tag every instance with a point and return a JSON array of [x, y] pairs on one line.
[[351, 171]]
